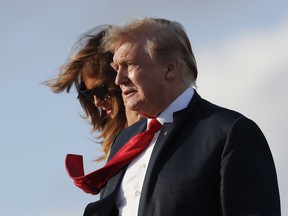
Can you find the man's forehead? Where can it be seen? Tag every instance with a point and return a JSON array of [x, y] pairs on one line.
[[129, 50]]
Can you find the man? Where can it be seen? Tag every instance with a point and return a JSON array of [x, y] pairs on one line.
[[206, 160]]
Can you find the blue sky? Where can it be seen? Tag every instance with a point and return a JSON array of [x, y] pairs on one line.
[[241, 48]]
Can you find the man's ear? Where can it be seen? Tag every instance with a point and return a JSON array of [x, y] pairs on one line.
[[172, 69]]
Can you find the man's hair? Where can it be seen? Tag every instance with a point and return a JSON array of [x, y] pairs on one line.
[[163, 39]]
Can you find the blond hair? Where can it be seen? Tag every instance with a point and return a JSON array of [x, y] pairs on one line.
[[162, 39]]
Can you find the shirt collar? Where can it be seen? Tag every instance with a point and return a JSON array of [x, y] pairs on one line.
[[179, 103]]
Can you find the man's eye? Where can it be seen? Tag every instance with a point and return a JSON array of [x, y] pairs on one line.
[[131, 65], [126, 65]]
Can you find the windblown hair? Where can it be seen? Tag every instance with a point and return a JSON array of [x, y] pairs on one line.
[[162, 39], [89, 60]]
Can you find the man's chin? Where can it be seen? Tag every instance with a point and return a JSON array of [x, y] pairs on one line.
[[132, 106]]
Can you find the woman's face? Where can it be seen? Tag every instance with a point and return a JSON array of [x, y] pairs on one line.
[[98, 91]]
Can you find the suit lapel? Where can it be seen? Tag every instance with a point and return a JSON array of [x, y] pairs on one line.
[[166, 133], [113, 183]]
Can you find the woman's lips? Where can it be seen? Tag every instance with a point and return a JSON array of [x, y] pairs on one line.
[[109, 112]]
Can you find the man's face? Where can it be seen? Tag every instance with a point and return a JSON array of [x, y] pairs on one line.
[[141, 79]]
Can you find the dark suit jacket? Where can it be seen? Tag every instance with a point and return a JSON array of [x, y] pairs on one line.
[[210, 161]]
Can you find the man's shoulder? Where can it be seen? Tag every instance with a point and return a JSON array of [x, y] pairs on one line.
[[209, 112]]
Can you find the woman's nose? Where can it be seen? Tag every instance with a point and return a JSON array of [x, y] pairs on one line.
[[97, 101]]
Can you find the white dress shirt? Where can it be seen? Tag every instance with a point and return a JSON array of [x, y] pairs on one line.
[[131, 186]]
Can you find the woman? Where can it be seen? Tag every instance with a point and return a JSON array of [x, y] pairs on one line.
[[89, 70]]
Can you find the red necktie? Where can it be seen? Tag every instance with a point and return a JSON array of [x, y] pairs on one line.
[[94, 181]]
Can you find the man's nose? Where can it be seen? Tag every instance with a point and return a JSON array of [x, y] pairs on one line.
[[121, 77]]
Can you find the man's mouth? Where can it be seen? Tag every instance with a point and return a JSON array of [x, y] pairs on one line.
[[128, 92]]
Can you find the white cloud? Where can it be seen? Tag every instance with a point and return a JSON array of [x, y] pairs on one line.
[[245, 61]]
